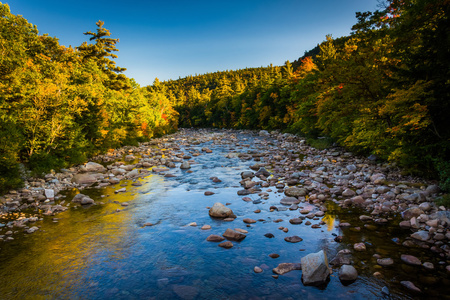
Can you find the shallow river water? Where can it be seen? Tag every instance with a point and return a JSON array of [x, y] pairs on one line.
[[98, 252]]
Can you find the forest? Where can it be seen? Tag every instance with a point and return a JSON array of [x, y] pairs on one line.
[[382, 90]]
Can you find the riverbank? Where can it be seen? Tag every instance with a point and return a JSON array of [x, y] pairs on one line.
[[284, 176]]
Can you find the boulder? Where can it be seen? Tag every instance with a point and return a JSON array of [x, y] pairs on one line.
[[32, 229], [86, 201], [87, 179], [49, 193], [247, 174], [342, 258], [264, 133], [93, 167], [220, 211], [411, 212], [263, 172], [348, 273], [421, 235], [348, 193], [78, 197], [315, 269], [185, 165]]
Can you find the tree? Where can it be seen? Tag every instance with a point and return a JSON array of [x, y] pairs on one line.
[[102, 52]]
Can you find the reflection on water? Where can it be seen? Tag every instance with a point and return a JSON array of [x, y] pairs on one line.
[[106, 252]]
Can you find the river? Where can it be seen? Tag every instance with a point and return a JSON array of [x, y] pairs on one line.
[[108, 251]]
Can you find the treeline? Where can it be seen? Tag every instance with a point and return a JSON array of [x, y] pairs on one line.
[[382, 90], [60, 105]]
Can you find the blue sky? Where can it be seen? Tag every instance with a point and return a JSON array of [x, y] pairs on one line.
[[169, 39]]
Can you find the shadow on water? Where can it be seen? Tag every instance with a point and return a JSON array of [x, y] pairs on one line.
[[106, 252]]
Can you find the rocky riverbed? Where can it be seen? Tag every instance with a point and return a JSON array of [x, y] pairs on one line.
[[377, 221]]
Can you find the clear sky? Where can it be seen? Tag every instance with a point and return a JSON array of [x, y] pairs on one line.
[[169, 39]]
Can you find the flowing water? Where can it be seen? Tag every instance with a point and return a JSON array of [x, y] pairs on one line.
[[102, 253]]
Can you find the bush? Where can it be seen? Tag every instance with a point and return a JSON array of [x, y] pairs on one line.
[[9, 174], [443, 169]]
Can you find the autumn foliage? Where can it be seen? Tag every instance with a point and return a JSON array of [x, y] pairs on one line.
[[382, 90], [59, 105]]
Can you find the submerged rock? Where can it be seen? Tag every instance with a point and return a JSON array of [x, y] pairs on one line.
[[293, 239], [284, 268]]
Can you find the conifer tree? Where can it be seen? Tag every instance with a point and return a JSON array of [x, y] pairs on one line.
[[103, 53]]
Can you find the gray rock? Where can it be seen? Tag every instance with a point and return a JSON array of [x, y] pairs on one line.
[[425, 206], [87, 179], [340, 259], [220, 211], [351, 168], [49, 193], [348, 273], [78, 197], [130, 157], [348, 193], [411, 212], [264, 133], [433, 189], [86, 201], [263, 172], [421, 235], [442, 216], [247, 174], [32, 229], [315, 269], [93, 167], [185, 165]]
